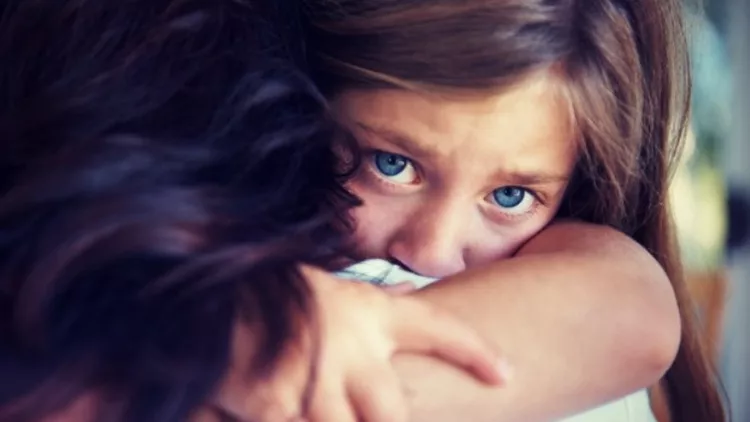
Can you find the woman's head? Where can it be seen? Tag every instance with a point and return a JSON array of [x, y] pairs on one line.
[[164, 165], [612, 88]]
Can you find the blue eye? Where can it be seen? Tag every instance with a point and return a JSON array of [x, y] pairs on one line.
[[390, 164], [509, 196], [394, 168]]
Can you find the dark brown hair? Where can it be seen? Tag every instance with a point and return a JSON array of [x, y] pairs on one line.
[[626, 75], [164, 167]]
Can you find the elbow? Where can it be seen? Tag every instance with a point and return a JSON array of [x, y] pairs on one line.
[[633, 291], [657, 346], [650, 315], [654, 327]]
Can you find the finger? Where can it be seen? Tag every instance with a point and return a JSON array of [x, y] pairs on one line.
[[332, 409], [331, 404], [273, 398], [399, 288], [378, 396], [419, 328], [206, 414]]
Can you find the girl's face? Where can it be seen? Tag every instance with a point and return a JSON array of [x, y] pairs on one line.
[[452, 183]]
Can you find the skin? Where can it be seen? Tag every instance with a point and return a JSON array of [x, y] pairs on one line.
[[384, 324], [583, 315], [439, 216]]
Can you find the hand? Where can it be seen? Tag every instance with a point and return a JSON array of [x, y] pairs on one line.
[[364, 328], [361, 328]]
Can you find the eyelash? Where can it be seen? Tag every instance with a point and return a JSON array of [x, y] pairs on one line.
[[509, 215], [382, 178], [495, 208]]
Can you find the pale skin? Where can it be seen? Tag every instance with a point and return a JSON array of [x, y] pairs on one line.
[[575, 341]]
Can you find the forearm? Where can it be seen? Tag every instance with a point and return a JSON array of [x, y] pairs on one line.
[[582, 321]]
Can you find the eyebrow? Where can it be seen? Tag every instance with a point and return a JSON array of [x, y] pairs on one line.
[[522, 178], [412, 147], [415, 149]]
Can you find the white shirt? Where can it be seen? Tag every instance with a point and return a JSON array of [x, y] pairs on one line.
[[633, 408]]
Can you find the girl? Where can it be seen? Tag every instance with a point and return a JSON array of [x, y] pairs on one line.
[[484, 121]]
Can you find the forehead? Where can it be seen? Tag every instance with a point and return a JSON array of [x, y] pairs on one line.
[[527, 127]]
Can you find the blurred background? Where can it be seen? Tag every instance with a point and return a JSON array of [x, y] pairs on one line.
[[711, 190]]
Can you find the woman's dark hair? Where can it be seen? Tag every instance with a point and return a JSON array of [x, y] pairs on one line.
[[164, 168]]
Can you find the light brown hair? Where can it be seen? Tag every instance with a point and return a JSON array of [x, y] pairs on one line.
[[625, 67]]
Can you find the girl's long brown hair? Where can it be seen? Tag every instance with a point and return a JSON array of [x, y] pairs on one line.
[[626, 73]]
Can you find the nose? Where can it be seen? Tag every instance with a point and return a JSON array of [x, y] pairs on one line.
[[432, 242]]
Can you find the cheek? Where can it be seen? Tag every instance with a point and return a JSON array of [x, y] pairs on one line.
[[492, 247], [376, 220]]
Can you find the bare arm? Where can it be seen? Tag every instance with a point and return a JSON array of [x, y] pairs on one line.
[[583, 314]]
